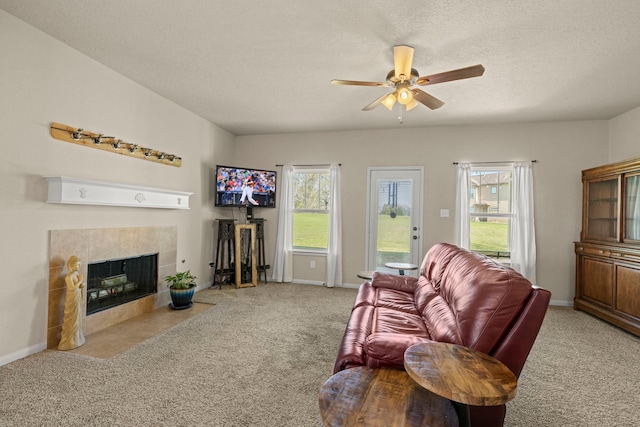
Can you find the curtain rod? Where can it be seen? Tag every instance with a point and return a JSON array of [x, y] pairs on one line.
[[502, 161], [326, 164]]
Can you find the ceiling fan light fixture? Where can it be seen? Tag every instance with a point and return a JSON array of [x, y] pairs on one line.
[[411, 104], [404, 95], [389, 101]]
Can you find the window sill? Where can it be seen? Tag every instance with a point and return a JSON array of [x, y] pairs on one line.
[[310, 252]]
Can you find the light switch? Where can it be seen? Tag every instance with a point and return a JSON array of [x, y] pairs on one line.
[[444, 213]]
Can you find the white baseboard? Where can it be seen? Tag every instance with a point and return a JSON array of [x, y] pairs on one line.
[[560, 303], [308, 282], [351, 285], [21, 354], [318, 283]]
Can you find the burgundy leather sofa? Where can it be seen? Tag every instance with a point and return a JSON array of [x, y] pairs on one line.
[[459, 297]]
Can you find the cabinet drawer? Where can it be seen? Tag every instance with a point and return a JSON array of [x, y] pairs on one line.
[[592, 250], [630, 257]]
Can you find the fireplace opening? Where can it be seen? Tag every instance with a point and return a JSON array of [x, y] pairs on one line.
[[118, 281]]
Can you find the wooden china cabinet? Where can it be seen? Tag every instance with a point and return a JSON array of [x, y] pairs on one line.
[[608, 254]]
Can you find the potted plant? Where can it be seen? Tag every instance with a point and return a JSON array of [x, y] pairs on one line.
[[181, 286]]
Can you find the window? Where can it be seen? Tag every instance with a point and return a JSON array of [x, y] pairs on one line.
[[499, 224], [311, 198], [490, 211]]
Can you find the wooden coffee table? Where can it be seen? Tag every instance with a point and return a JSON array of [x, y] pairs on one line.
[[381, 398], [460, 374]]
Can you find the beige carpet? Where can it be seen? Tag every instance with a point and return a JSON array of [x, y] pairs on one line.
[[259, 356], [581, 372]]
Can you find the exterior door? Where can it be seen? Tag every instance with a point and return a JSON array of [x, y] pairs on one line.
[[394, 217]]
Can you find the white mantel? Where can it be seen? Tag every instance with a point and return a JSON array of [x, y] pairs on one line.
[[88, 192]]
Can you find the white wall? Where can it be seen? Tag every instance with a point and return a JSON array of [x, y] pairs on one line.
[[561, 149], [43, 81], [624, 136]]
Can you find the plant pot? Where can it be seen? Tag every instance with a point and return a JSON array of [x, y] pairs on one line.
[[181, 298]]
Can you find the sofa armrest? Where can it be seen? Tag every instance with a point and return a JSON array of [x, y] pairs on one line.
[[393, 281]]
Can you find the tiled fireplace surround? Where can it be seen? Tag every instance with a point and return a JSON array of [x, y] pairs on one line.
[[99, 244]]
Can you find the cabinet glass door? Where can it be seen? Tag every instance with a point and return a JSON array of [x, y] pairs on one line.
[[632, 208], [602, 211]]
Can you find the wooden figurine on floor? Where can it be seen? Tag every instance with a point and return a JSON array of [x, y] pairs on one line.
[[72, 326]]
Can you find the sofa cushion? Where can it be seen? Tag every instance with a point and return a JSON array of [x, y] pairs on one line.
[[395, 300], [484, 296], [441, 321], [394, 281], [351, 351], [386, 349], [436, 261], [396, 321], [425, 292], [366, 295]]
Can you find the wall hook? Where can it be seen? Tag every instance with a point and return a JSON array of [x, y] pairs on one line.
[[77, 134]]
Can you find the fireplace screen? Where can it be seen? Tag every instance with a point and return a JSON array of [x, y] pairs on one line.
[[118, 281]]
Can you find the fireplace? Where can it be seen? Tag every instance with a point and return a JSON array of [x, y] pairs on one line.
[[118, 281], [94, 246]]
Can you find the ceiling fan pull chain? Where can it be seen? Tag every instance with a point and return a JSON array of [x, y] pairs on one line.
[[400, 113]]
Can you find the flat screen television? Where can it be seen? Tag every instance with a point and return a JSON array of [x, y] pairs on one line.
[[237, 187]]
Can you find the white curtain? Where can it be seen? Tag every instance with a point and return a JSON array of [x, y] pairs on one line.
[[283, 260], [522, 237], [334, 249], [462, 205]]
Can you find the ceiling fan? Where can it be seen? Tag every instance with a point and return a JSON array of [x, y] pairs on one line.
[[402, 77]]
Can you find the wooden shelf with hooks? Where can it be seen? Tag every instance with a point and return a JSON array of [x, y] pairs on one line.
[[111, 144]]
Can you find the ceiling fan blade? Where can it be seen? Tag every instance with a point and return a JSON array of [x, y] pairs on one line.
[[426, 99], [402, 60], [358, 83], [447, 76], [375, 103]]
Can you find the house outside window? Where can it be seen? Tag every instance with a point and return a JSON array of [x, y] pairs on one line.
[[311, 210], [490, 211]]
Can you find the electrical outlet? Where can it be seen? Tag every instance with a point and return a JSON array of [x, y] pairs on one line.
[[312, 264]]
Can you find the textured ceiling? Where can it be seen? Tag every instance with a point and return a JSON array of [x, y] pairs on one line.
[[257, 67]]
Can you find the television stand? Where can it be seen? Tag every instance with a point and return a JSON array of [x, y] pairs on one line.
[[262, 265], [223, 267]]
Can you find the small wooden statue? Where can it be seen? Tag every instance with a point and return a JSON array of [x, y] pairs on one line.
[[73, 325]]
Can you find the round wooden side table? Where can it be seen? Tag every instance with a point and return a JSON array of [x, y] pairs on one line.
[[381, 398], [460, 374]]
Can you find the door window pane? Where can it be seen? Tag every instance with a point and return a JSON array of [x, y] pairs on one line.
[[394, 221]]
